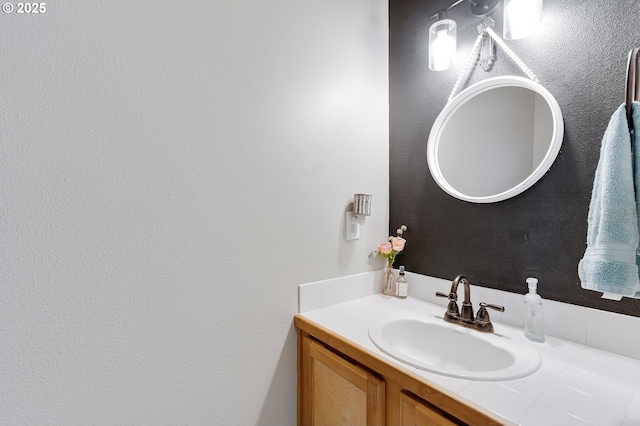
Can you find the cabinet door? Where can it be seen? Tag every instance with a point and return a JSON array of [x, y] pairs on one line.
[[336, 392], [414, 412]]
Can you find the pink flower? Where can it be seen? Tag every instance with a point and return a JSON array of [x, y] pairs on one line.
[[385, 248], [397, 243]]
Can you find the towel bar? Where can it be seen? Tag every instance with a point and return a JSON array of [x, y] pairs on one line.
[[633, 82]]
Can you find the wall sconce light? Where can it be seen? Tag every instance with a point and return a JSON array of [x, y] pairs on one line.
[[521, 18], [442, 43], [357, 217]]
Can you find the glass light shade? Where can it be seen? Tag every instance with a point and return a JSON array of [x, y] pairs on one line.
[[442, 44], [521, 18]]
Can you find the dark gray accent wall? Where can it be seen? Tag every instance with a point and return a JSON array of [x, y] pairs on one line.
[[580, 57]]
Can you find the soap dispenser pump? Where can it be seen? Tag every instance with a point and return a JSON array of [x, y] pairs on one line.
[[533, 322]]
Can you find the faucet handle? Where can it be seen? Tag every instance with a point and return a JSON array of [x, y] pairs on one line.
[[488, 305], [483, 314], [483, 322], [450, 296], [452, 314]]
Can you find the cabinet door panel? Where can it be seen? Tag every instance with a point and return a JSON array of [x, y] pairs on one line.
[[336, 400], [336, 392], [416, 413]]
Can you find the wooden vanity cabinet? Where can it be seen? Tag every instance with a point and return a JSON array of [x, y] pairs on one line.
[[341, 384]]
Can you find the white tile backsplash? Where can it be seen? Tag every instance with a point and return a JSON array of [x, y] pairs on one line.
[[564, 320], [514, 308], [324, 293], [416, 283], [361, 285], [598, 329], [333, 292], [425, 288], [613, 332], [309, 297]]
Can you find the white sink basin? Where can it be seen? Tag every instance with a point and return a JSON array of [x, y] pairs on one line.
[[428, 343]]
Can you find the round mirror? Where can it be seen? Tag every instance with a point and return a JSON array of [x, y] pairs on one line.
[[495, 139]]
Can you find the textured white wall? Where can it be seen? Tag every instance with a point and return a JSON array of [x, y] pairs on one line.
[[170, 172]]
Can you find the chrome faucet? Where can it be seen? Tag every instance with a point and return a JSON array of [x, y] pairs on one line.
[[481, 322]]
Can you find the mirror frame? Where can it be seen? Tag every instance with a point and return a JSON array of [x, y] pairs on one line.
[[450, 109]]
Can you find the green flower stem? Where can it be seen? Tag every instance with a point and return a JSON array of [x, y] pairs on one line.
[[391, 258]]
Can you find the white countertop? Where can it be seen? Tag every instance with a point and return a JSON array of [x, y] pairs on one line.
[[575, 385]]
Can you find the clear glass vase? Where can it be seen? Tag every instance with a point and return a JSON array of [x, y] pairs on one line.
[[389, 281]]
